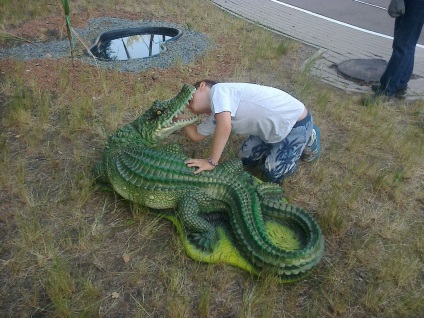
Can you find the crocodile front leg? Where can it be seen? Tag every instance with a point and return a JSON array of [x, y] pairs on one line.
[[198, 230], [100, 177]]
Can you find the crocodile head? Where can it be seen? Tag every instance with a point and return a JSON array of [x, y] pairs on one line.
[[165, 117]]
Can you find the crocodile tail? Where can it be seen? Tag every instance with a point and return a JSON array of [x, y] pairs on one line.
[[303, 229]]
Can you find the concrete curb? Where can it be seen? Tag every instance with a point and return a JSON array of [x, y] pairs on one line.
[[336, 42]]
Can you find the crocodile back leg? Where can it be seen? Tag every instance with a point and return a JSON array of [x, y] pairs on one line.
[[198, 230]]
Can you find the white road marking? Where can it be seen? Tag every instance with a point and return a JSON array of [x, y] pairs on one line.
[[338, 22], [370, 4]]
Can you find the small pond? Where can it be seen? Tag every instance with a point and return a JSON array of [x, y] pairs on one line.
[[133, 43], [175, 46]]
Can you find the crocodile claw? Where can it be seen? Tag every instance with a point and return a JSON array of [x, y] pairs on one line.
[[204, 241]]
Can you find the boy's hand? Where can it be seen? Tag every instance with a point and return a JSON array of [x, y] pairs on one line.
[[202, 164]]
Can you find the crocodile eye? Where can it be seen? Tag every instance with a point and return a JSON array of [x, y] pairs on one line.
[[158, 112]]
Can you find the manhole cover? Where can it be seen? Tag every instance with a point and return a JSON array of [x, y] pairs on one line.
[[365, 70]]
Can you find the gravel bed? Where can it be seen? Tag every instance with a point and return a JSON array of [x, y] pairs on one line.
[[186, 49]]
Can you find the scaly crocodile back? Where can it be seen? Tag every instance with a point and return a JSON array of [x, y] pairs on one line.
[[159, 180]]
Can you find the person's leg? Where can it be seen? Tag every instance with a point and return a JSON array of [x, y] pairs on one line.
[[417, 7], [406, 75], [313, 147], [398, 59], [253, 151], [407, 31], [284, 156]]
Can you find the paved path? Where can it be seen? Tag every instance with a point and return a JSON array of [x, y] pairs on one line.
[[367, 14], [337, 42]]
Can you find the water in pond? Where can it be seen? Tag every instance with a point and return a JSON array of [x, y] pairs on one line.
[[131, 47]]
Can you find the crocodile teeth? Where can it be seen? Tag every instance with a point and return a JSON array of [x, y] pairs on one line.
[[184, 116]]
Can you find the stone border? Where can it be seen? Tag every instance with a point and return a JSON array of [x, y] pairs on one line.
[[189, 46]]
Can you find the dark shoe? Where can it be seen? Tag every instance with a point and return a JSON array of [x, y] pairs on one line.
[[402, 93], [377, 88], [380, 91]]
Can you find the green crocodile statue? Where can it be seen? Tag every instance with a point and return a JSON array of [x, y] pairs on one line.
[[222, 215]]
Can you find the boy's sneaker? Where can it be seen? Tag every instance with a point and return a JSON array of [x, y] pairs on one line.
[[313, 148]]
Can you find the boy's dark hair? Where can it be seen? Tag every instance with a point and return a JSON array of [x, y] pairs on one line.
[[208, 82]]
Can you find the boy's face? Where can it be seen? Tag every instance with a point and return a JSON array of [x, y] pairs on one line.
[[200, 103]]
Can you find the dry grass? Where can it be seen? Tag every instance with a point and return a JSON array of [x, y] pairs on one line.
[[70, 250]]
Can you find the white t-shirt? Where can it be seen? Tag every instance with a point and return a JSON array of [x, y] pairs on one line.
[[257, 110]]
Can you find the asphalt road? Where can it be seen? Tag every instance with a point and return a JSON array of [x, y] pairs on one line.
[[366, 14]]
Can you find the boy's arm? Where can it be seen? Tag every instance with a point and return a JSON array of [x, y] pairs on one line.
[[192, 134], [222, 133]]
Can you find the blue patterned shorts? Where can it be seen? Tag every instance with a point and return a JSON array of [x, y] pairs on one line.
[[278, 159]]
